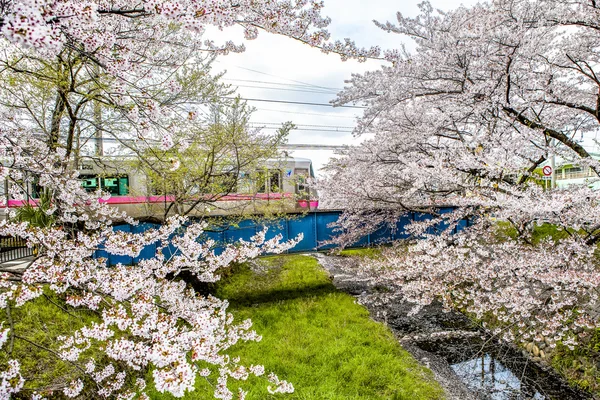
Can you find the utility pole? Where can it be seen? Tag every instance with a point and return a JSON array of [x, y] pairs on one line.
[[553, 166], [99, 151], [553, 176]]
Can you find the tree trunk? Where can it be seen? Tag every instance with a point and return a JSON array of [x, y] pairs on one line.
[[59, 109]]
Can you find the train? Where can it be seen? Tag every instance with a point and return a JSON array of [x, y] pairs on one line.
[[279, 185]]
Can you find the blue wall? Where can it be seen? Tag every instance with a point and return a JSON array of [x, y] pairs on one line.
[[313, 225]]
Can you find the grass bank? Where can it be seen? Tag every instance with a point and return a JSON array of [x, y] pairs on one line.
[[580, 366], [36, 326], [315, 337]]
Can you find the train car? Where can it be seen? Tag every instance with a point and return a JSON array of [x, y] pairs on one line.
[[280, 185]]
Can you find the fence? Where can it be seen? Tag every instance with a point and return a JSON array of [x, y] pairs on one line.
[[12, 248], [314, 227]]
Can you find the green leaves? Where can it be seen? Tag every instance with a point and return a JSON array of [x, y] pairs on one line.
[[38, 214]]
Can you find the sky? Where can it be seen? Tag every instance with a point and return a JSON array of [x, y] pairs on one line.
[[280, 70]]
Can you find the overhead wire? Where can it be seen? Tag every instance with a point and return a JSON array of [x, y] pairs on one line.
[[303, 113], [298, 86], [280, 77], [93, 139], [314, 130], [291, 102], [302, 125], [287, 90], [303, 85]]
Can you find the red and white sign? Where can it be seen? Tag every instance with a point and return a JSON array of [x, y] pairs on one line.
[[547, 170]]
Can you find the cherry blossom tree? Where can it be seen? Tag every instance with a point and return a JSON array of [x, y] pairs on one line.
[[490, 93], [131, 71], [104, 29], [74, 104], [134, 65], [146, 316]]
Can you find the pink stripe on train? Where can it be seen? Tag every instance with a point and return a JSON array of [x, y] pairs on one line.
[[162, 199]]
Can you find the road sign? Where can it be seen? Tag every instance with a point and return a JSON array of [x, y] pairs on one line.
[[547, 170]]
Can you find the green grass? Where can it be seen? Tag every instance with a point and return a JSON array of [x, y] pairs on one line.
[[315, 337], [368, 252], [540, 232], [40, 321]]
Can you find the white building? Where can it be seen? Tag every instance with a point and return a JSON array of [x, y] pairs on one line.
[[567, 173]]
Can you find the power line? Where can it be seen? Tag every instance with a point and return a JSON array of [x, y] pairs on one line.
[[284, 89], [303, 113], [113, 139], [302, 125], [280, 77], [130, 140], [291, 102], [302, 146], [308, 129], [262, 125], [286, 146], [278, 83]]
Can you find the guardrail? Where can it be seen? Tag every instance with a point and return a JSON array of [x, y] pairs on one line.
[[12, 248], [313, 225], [574, 175]]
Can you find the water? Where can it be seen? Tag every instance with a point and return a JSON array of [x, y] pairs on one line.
[[489, 369], [496, 371], [489, 377]]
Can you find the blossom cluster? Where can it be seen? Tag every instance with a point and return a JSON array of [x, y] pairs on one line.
[[461, 128], [99, 28], [148, 317], [547, 293]]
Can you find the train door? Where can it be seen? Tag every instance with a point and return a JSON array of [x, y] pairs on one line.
[[26, 188], [301, 175]]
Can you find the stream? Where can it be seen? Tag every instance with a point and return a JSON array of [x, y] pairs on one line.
[[467, 362]]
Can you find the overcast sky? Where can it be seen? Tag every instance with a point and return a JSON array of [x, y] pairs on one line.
[[278, 69]]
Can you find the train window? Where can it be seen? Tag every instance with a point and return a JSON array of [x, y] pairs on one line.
[[29, 188], [225, 182], [230, 182], [261, 182], [244, 184], [111, 185], [274, 181], [17, 189], [123, 185], [36, 189], [89, 182], [116, 185], [301, 178], [268, 181]]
